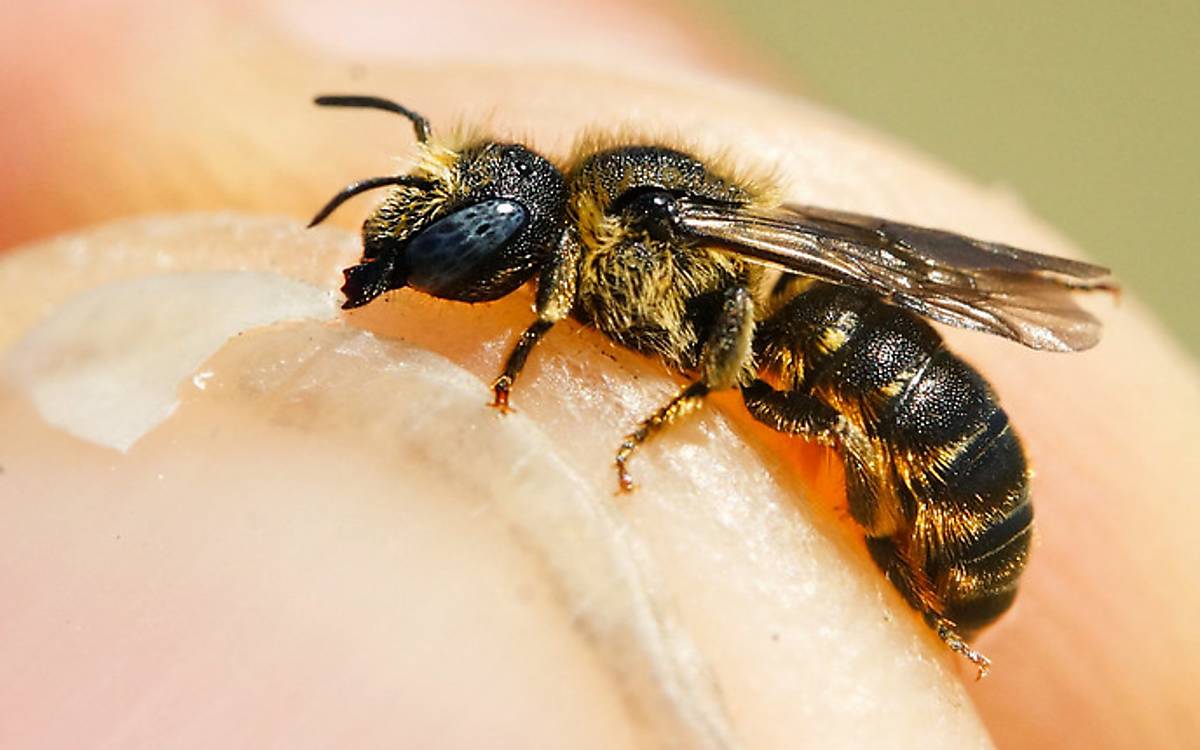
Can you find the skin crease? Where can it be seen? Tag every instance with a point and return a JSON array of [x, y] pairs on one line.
[[1097, 652]]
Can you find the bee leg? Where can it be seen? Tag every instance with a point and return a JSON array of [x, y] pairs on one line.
[[725, 356], [555, 298], [516, 362], [685, 402], [798, 413], [916, 589], [948, 632], [794, 413]]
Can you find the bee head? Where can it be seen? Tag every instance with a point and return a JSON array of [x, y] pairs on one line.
[[470, 225]]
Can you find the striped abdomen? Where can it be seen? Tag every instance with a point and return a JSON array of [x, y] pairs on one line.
[[944, 497]]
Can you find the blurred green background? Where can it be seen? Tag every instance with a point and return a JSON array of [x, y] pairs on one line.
[[1089, 110]]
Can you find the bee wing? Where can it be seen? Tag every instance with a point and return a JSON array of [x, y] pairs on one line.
[[956, 280]]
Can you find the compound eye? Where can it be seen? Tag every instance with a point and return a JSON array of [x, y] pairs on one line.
[[446, 256]]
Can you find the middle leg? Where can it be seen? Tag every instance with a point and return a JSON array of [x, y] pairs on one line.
[[726, 356]]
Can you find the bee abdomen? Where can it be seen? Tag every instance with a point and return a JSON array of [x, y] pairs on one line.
[[946, 505], [982, 583], [938, 409], [970, 478]]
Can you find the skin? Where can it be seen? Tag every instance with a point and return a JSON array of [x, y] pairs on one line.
[[154, 601]]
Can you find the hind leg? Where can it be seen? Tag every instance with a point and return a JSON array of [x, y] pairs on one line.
[[794, 413], [917, 589], [798, 413]]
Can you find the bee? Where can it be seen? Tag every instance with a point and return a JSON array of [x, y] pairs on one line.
[[668, 255]]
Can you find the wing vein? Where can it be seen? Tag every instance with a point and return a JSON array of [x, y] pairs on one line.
[[1020, 295]]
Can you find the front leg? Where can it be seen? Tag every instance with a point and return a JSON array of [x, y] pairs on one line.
[[557, 284], [726, 355]]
